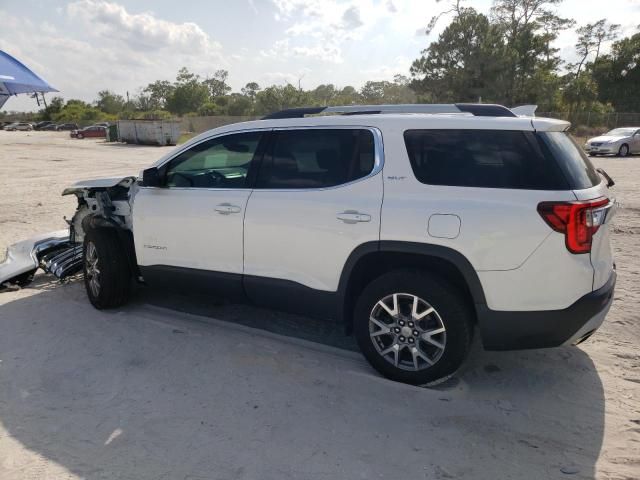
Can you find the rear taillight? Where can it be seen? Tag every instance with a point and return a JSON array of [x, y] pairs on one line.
[[579, 221]]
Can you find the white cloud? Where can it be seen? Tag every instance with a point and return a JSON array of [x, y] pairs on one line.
[[142, 31], [398, 66], [108, 47], [282, 49], [319, 29]]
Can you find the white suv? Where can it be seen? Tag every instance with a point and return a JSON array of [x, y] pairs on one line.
[[412, 224]]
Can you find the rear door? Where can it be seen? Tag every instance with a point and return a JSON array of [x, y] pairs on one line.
[[317, 197]]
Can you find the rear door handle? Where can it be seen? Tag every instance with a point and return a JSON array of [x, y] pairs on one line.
[[227, 208], [353, 216]]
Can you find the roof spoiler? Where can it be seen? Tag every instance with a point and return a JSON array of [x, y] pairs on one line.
[[525, 110]]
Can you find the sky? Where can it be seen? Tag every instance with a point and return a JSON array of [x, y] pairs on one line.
[[84, 46]]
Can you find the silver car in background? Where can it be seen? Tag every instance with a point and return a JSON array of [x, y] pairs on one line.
[[619, 141]]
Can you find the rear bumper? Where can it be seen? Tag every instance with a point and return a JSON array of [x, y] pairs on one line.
[[601, 149], [504, 330]]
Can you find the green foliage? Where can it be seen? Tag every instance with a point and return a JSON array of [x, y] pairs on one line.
[[54, 106], [464, 64], [505, 58], [397, 91], [618, 75], [77, 111], [110, 102], [278, 97], [188, 94]]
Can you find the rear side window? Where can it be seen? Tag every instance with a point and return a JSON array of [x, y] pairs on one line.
[[575, 165], [482, 158], [317, 158]]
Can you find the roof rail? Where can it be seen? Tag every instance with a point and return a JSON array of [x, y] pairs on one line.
[[476, 109]]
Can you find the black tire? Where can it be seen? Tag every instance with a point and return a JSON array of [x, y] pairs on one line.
[[79, 136], [452, 311], [624, 150], [114, 275]]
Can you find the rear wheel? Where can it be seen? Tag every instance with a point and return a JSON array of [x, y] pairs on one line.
[[624, 150], [413, 327], [107, 277]]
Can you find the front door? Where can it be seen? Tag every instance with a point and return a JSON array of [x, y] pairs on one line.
[[194, 222]]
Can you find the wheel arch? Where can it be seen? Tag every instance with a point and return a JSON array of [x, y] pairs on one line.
[[99, 222], [373, 259]]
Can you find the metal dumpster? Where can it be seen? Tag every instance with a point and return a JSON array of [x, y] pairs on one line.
[[149, 132]]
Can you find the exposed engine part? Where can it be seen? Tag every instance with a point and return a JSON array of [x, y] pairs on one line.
[[60, 253]]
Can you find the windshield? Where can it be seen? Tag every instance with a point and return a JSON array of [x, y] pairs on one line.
[[617, 132]]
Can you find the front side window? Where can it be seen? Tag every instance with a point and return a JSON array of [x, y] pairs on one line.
[[221, 162], [317, 158], [482, 158]]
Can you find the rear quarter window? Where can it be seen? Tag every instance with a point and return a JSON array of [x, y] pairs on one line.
[[482, 158], [576, 166]]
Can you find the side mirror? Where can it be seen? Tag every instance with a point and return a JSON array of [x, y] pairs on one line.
[[151, 178]]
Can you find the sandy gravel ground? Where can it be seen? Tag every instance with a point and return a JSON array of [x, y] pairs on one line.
[[151, 393]]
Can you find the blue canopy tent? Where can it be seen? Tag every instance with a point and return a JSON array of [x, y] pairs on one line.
[[16, 78]]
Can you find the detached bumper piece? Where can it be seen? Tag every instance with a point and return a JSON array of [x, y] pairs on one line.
[[53, 252], [64, 261]]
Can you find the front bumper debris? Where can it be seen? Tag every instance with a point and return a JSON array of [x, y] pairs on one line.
[[54, 252]]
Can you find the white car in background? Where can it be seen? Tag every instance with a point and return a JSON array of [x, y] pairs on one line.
[[24, 126], [619, 141]]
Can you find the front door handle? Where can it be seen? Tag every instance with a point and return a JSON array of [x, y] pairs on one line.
[[227, 208], [353, 216]]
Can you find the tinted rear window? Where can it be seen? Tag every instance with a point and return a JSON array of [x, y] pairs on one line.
[[576, 166], [482, 158]]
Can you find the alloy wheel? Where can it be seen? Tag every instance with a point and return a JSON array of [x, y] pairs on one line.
[[92, 269], [407, 331]]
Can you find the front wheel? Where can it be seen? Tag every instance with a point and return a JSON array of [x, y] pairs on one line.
[[413, 327], [107, 276], [624, 150]]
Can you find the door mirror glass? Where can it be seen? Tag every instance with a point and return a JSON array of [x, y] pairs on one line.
[[151, 178]]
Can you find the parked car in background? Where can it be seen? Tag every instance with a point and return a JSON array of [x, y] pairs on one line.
[[67, 126], [50, 127], [92, 131], [41, 125], [619, 141], [24, 126]]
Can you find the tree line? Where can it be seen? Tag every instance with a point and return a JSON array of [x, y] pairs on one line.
[[191, 94], [506, 56]]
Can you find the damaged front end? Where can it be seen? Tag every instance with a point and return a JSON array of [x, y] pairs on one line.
[[104, 202]]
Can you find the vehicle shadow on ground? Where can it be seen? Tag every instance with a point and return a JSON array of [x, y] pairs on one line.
[[145, 392]]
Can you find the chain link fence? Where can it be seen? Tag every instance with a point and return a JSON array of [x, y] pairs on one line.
[[596, 120]]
